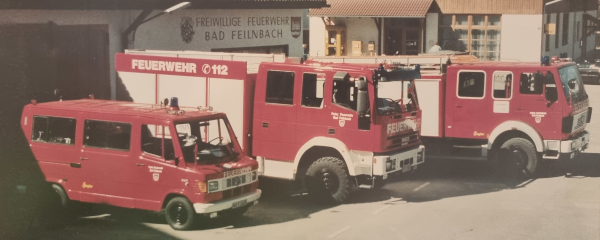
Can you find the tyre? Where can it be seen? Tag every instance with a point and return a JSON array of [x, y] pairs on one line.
[[180, 213], [327, 180], [64, 200], [517, 157]]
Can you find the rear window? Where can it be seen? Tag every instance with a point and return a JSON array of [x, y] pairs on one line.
[[57, 130], [106, 134]]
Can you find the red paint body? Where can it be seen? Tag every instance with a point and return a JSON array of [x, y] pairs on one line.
[[281, 135], [126, 177]]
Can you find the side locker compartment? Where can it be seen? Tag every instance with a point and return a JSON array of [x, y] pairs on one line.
[[430, 93]]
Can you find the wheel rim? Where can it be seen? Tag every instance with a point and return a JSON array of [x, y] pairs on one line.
[[329, 180], [178, 215]]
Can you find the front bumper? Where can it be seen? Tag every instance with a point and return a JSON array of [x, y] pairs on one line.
[[400, 162], [567, 149], [217, 206]]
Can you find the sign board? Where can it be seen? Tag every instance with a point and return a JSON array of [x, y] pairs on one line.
[[550, 28]]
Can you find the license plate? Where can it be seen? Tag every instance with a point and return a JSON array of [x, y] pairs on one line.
[[239, 203]]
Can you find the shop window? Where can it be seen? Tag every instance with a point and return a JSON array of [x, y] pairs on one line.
[[477, 34], [502, 86], [109, 135], [556, 35], [154, 137], [529, 85], [471, 84], [335, 40], [565, 29], [53, 130], [313, 86], [280, 87]]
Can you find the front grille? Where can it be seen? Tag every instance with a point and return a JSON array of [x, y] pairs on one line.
[[403, 139], [236, 191]]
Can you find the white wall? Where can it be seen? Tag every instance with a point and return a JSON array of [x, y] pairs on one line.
[[521, 37], [166, 33], [431, 30], [317, 37], [117, 21]]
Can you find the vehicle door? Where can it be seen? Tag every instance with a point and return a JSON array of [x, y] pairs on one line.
[[530, 105], [470, 111], [106, 154], [278, 116], [312, 118], [155, 169], [53, 141]]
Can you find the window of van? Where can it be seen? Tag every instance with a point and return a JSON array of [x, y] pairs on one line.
[[105, 134], [529, 85], [53, 130], [152, 141], [313, 86]]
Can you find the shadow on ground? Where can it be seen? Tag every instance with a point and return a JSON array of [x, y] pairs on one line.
[[434, 181]]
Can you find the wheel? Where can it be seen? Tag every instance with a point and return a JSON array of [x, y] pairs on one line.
[[64, 200], [180, 213], [327, 180], [518, 156]]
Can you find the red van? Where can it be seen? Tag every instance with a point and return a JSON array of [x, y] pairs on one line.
[[186, 161]]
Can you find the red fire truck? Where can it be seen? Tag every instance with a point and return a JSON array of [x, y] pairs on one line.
[[185, 161], [516, 113], [326, 126]]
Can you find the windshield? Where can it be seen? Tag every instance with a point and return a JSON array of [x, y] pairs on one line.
[[207, 141], [571, 74], [395, 97]]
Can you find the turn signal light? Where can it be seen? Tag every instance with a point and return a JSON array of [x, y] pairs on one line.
[[202, 187]]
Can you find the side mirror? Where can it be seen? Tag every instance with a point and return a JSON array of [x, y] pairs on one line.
[[572, 84], [362, 105]]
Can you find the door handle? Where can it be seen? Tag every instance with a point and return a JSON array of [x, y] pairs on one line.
[[75, 165], [520, 109], [83, 158], [458, 106], [265, 124], [140, 164]]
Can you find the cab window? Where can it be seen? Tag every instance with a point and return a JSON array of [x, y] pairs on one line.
[[156, 140], [471, 84], [108, 135], [344, 93], [313, 86], [528, 83], [57, 130]]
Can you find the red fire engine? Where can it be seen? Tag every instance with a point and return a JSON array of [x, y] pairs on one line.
[[186, 161], [513, 112], [325, 125]]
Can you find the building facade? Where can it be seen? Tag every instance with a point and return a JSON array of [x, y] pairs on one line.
[[514, 30]]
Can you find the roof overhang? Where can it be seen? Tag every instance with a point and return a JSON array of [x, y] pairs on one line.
[[374, 8], [159, 4]]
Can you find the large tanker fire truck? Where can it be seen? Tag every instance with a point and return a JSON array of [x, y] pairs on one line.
[[185, 161], [514, 113], [324, 125]]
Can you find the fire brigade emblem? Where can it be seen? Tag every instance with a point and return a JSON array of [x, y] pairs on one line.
[[187, 29], [342, 123], [296, 26], [155, 176]]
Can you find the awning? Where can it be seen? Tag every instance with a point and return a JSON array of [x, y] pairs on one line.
[[373, 8]]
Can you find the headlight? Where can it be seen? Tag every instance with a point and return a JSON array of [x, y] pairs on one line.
[[390, 165], [419, 156], [254, 175], [213, 186]]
